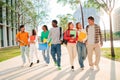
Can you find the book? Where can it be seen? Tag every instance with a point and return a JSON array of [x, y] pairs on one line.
[[73, 33]]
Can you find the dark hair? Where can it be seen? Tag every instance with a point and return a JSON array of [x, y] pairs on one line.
[[21, 26], [91, 18], [54, 21], [45, 27], [77, 25], [33, 32], [69, 25]]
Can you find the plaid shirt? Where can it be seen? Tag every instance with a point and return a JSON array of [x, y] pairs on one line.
[[98, 35]]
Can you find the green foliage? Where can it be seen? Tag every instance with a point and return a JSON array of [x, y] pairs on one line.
[[73, 3], [106, 53], [64, 19], [117, 34], [8, 53]]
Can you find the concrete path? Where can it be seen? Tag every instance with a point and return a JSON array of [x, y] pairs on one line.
[[12, 70]]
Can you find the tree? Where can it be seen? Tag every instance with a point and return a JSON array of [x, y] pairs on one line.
[[107, 6], [73, 5], [64, 19], [26, 12]]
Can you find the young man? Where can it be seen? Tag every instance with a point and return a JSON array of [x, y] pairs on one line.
[[94, 42], [22, 38], [55, 44]]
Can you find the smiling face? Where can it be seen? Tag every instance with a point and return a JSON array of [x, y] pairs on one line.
[[91, 22], [22, 29], [79, 26], [70, 25]]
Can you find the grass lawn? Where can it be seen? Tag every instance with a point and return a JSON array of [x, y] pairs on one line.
[[106, 52], [7, 53]]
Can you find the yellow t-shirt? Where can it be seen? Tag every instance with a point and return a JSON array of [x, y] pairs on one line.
[[23, 38], [82, 36]]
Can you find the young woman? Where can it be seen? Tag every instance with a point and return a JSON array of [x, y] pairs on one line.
[[71, 36], [81, 48], [44, 37], [33, 46]]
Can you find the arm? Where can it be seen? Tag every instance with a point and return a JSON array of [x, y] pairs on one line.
[[66, 35], [101, 41]]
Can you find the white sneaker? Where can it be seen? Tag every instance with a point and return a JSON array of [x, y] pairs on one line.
[[82, 68], [23, 65], [97, 67], [91, 67]]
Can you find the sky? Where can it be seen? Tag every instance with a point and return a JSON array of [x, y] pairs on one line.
[[56, 9]]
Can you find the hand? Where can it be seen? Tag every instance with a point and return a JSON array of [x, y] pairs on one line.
[[101, 44]]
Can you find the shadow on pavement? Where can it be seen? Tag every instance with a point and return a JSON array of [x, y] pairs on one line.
[[113, 73], [10, 70], [23, 71], [90, 74], [43, 74]]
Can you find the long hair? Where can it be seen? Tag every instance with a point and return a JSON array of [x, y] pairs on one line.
[[45, 27], [69, 25], [33, 32], [77, 25]]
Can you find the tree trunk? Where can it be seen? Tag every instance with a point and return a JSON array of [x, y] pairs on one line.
[[18, 21], [82, 14], [111, 36]]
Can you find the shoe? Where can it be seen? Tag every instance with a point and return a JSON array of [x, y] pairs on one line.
[[38, 61], [55, 63], [97, 67], [82, 68], [91, 67], [59, 68], [23, 65], [72, 67], [31, 64]]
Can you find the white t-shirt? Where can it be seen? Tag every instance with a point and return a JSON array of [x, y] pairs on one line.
[[91, 35]]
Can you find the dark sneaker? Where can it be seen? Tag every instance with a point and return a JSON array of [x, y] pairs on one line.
[[38, 61], [72, 67], [31, 64], [59, 68]]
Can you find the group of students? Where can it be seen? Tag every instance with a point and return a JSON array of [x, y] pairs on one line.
[[78, 41]]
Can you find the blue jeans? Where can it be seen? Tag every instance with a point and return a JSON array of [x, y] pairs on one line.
[[46, 56], [56, 50], [81, 49], [24, 51]]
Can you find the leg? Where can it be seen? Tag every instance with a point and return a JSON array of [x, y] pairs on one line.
[[84, 51], [48, 56], [58, 47], [97, 54], [22, 48], [31, 53], [74, 51], [53, 52], [27, 53], [90, 54], [69, 47], [36, 54], [44, 57], [79, 49]]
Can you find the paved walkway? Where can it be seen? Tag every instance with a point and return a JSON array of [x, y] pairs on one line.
[[11, 70]]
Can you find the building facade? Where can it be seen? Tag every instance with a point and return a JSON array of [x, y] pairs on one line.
[[8, 26], [87, 12], [116, 20]]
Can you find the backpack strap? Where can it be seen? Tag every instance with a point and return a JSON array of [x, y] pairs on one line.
[[60, 33]]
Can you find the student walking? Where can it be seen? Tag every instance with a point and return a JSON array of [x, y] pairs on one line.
[[94, 42], [81, 47], [33, 47], [44, 36], [22, 37], [56, 37], [71, 36]]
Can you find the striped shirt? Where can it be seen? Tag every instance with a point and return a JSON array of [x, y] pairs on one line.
[[97, 35]]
